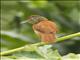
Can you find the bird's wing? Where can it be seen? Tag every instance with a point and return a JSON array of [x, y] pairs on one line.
[[47, 27]]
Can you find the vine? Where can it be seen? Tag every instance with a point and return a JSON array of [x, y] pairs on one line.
[[28, 47]]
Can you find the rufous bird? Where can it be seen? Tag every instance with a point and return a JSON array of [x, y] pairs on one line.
[[43, 27]]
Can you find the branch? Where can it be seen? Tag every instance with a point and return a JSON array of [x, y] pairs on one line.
[[30, 47], [68, 37]]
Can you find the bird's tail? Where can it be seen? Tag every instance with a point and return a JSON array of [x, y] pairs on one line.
[[48, 38]]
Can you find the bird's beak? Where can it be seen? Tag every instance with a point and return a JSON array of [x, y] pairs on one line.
[[24, 22]]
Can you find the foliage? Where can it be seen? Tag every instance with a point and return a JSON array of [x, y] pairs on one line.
[[43, 51], [13, 35]]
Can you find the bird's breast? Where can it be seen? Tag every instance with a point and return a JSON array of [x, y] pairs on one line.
[[36, 32]]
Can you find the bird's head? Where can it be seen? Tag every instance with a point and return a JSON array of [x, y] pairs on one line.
[[35, 19]]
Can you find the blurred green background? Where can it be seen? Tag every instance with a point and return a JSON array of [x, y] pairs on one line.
[[66, 15]]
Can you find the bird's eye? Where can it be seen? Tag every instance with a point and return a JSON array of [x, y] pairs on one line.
[[32, 18]]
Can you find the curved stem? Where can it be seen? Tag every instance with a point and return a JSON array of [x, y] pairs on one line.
[[28, 47]]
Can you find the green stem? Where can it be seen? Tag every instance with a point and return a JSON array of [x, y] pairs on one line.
[[41, 43], [68, 37], [11, 51]]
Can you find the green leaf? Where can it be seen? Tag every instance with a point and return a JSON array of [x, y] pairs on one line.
[[11, 39], [71, 56], [48, 53], [6, 58]]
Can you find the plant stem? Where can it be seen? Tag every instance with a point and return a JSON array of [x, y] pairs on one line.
[[68, 37], [11, 51], [38, 44]]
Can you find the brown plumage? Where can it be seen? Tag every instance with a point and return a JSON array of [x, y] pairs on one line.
[[46, 30]]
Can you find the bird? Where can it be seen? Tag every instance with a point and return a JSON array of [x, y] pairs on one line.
[[43, 27]]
